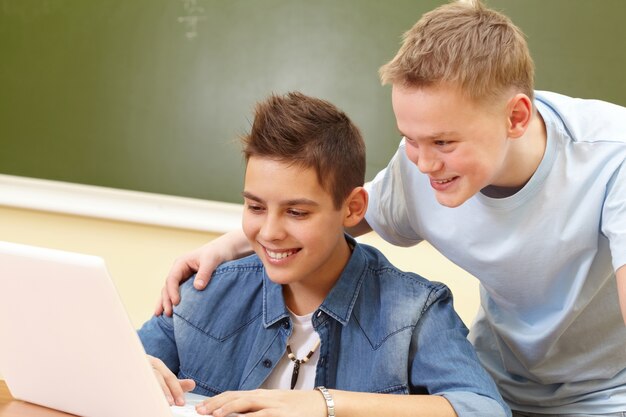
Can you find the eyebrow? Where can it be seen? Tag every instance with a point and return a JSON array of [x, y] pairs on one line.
[[434, 136], [291, 202]]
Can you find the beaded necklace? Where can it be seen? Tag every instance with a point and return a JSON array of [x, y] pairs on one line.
[[297, 362]]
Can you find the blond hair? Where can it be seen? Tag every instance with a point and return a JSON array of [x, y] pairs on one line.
[[466, 44]]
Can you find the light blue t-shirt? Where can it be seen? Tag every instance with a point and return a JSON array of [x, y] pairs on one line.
[[550, 329]]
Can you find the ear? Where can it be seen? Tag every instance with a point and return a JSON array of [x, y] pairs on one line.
[[519, 114], [355, 207]]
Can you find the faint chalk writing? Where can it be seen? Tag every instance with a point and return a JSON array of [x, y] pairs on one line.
[[29, 10], [194, 13]]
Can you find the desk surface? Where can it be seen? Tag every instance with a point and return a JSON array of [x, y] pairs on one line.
[[10, 407]]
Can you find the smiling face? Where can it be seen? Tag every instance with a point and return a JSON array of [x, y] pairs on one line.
[[293, 225], [461, 145]]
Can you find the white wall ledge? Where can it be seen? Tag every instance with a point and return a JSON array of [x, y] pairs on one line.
[[121, 205]]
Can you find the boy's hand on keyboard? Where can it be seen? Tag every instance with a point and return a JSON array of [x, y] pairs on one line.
[[173, 387], [267, 402]]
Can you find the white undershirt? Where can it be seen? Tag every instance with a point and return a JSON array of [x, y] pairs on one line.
[[303, 339]]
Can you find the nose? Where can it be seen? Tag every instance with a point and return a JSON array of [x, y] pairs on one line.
[[426, 159], [272, 229]]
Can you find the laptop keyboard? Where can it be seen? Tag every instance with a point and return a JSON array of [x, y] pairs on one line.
[[187, 410]]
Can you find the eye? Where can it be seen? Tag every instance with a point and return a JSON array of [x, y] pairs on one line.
[[254, 208], [442, 142], [299, 214], [410, 143]]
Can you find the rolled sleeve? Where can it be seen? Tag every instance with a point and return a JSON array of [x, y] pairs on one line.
[[469, 404], [446, 364], [157, 336]]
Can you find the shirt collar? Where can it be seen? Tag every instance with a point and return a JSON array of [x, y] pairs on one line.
[[274, 308], [342, 297], [339, 302]]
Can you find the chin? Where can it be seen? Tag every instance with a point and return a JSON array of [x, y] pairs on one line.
[[450, 202], [280, 279]]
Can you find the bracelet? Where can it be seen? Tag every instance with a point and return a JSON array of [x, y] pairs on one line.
[[330, 404]]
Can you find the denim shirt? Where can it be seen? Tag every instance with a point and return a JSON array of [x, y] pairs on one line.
[[382, 330]]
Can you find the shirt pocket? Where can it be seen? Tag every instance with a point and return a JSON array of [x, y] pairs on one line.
[[215, 356]]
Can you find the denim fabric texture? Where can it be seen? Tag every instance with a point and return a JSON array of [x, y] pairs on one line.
[[382, 331]]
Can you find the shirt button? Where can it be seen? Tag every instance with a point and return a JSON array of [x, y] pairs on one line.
[[322, 361], [319, 313], [267, 363], [286, 324]]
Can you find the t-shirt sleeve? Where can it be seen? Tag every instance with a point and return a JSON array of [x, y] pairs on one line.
[[614, 216], [388, 212]]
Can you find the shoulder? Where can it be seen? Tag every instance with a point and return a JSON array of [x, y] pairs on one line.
[[232, 283], [380, 267], [250, 265], [400, 289], [392, 303], [587, 120], [249, 268]]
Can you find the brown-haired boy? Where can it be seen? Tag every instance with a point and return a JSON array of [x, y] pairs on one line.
[[312, 308]]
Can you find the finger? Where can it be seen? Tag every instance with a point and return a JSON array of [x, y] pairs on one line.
[[164, 387], [180, 272], [268, 412], [166, 303], [212, 403], [204, 273], [239, 405], [187, 384], [241, 402], [169, 382], [158, 309], [174, 385]]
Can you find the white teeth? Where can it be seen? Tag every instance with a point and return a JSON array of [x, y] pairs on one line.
[[279, 255], [443, 181]]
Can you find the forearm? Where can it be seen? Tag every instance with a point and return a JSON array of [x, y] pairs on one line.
[[621, 289], [358, 404], [233, 245]]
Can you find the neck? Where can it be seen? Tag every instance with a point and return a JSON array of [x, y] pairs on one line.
[[305, 297], [525, 154]]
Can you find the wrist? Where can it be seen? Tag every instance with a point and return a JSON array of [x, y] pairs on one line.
[[235, 246], [328, 399]]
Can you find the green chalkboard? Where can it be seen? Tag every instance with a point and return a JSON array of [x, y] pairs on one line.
[[151, 95]]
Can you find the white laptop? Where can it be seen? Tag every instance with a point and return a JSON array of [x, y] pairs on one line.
[[66, 341]]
